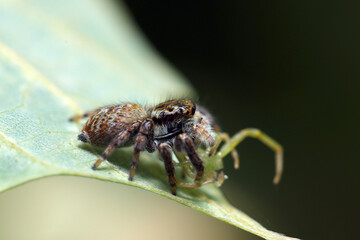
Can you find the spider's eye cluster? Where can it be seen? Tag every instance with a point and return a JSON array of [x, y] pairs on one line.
[[176, 110], [173, 110]]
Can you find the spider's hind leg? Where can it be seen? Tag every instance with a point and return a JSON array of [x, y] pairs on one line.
[[110, 148], [86, 114]]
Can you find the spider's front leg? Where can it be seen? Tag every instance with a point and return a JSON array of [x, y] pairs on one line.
[[183, 141], [165, 153], [268, 141], [144, 140]]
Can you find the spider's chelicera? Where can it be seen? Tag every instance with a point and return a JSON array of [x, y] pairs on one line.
[[177, 125]]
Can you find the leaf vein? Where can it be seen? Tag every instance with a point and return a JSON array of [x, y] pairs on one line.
[[33, 75], [7, 140]]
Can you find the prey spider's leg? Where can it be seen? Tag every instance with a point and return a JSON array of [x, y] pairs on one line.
[[189, 148], [218, 140], [165, 153], [196, 184], [186, 168], [115, 142], [142, 139], [221, 178], [183, 162], [217, 178], [225, 137], [86, 114], [268, 141], [183, 173]]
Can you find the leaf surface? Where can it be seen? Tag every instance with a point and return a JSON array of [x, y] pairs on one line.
[[60, 58]]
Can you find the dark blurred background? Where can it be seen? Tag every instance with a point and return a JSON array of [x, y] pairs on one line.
[[290, 69]]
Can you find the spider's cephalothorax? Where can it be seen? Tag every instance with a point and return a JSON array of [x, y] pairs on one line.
[[174, 117], [169, 117], [171, 125]]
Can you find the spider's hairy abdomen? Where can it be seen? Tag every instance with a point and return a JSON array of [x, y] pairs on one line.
[[109, 121]]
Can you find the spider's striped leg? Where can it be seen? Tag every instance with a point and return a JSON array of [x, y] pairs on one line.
[[187, 144], [143, 141], [186, 168], [165, 153], [86, 114], [123, 136]]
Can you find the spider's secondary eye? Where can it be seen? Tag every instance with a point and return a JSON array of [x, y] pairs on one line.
[[171, 109], [193, 110]]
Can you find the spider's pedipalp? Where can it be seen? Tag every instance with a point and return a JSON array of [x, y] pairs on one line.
[[208, 120], [200, 129], [203, 135]]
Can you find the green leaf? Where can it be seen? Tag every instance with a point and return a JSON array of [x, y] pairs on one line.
[[60, 58]]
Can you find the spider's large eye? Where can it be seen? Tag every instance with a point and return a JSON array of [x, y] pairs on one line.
[[193, 109]]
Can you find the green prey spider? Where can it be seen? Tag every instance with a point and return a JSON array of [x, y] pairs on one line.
[[213, 158]]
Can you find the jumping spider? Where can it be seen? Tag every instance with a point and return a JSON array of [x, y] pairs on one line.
[[178, 126]]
